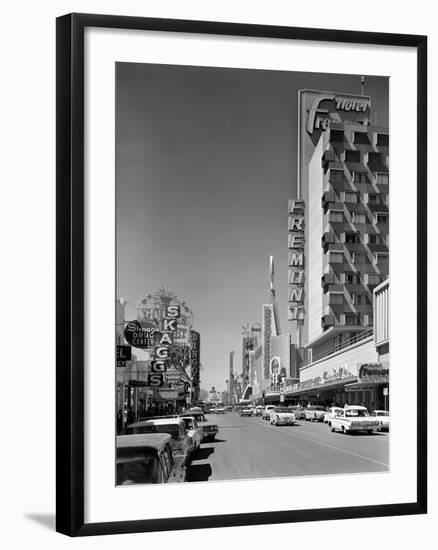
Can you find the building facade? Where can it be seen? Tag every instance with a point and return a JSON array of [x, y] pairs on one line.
[[340, 241]]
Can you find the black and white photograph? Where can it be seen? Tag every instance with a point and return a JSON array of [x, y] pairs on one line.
[[252, 321]]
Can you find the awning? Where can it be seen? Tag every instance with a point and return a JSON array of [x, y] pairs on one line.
[[364, 386], [314, 390]]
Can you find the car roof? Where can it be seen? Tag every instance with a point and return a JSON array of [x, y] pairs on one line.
[[357, 407], [152, 441], [156, 422]]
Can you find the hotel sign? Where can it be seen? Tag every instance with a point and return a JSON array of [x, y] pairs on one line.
[[373, 373], [296, 260], [323, 108]]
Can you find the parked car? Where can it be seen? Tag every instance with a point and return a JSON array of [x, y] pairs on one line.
[[331, 412], [220, 410], [298, 411], [353, 419], [315, 413], [281, 416], [266, 411], [147, 458], [245, 411], [383, 417], [194, 431], [209, 431], [258, 411], [175, 427]]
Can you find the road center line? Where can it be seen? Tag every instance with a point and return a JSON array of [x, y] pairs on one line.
[[331, 447]]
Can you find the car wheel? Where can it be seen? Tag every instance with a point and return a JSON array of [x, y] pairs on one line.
[[344, 431], [332, 429], [370, 432]]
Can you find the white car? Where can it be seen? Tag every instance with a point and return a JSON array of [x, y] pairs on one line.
[[281, 416], [194, 432], [353, 419], [331, 413], [383, 417], [266, 411], [219, 410], [315, 413]]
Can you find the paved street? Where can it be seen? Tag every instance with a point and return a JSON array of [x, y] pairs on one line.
[[249, 447]]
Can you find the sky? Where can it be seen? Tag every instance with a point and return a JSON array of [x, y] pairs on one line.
[[206, 160]]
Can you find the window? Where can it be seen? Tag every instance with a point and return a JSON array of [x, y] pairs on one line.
[[382, 179], [374, 160], [359, 218], [359, 258], [376, 239], [360, 300], [336, 136], [352, 156], [383, 140], [352, 238], [336, 299], [369, 319], [361, 137], [373, 278], [360, 177], [336, 217], [336, 176], [351, 319], [336, 257], [373, 198], [350, 196], [382, 258], [382, 218], [352, 278]]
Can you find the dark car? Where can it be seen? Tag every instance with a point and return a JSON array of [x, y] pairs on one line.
[[147, 458]]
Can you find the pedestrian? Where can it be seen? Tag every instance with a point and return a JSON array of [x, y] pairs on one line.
[[119, 422]]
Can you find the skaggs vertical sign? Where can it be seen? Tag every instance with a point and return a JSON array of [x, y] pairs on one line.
[[296, 260]]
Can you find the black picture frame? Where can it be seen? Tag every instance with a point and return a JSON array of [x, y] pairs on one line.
[[70, 273]]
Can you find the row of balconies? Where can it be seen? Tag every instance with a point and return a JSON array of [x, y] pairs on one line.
[[350, 320], [371, 280], [355, 159]]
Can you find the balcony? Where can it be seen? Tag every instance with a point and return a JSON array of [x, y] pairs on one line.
[[328, 156], [327, 198], [327, 321], [327, 279], [327, 238]]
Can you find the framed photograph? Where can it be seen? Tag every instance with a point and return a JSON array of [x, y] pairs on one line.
[[241, 274]]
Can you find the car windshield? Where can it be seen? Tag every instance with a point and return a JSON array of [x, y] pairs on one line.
[[171, 429], [281, 410], [356, 412], [131, 468], [382, 413], [189, 423]]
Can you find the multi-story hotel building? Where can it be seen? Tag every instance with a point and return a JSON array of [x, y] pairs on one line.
[[342, 254]]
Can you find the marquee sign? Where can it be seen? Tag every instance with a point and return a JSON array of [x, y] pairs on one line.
[[296, 260]]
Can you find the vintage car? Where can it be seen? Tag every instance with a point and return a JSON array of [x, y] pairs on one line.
[[281, 416], [148, 458], [194, 431], [383, 417], [298, 411], [315, 413], [175, 427], [258, 411], [209, 431], [331, 412], [220, 410], [266, 411], [245, 411], [353, 419]]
